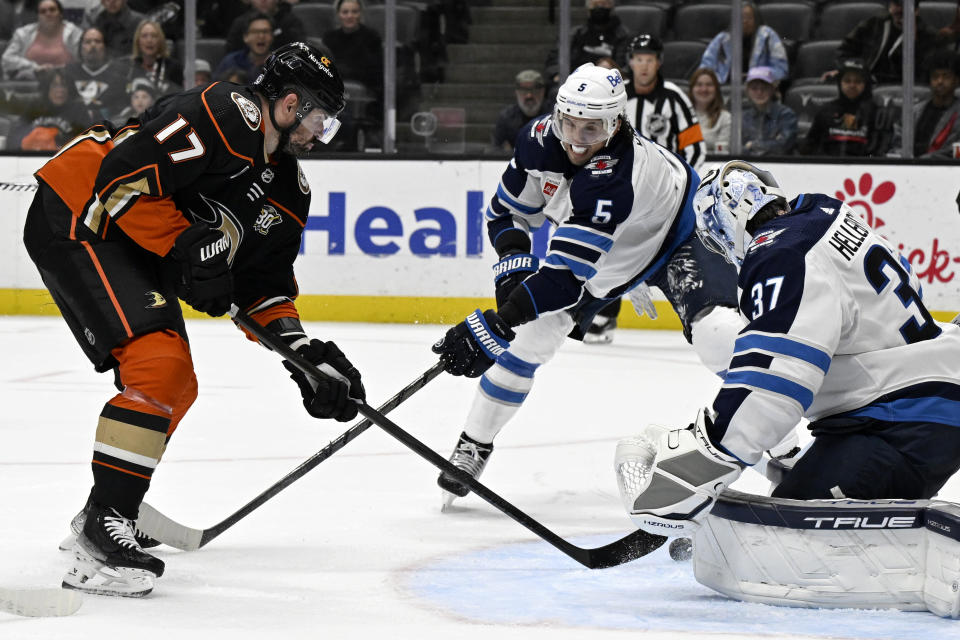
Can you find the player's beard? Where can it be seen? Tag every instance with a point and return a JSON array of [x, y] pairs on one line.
[[296, 149]]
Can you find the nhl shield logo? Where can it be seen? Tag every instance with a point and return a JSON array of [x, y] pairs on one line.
[[250, 111], [656, 125]]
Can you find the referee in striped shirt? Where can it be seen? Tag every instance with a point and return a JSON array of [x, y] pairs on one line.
[[659, 109]]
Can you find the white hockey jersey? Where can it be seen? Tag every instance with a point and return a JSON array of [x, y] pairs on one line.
[[835, 328], [618, 218]]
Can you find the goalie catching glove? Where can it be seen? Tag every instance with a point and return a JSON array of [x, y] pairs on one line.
[[202, 272], [471, 347], [333, 396], [669, 480]]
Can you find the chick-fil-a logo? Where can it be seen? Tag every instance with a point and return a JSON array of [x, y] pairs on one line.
[[933, 265]]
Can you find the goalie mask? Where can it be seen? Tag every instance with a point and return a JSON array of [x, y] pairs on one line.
[[726, 202], [588, 105]]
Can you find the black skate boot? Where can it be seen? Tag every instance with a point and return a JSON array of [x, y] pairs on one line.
[[600, 330], [470, 456], [107, 558], [76, 526]]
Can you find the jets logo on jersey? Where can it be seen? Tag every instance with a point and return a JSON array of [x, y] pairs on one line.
[[540, 129], [155, 300], [250, 111], [601, 165], [550, 188], [267, 218], [222, 219], [764, 239]]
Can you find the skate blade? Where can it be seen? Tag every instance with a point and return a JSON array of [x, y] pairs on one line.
[[597, 338], [90, 575], [68, 542], [447, 500]]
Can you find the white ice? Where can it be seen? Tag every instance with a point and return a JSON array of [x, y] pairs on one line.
[[358, 546]]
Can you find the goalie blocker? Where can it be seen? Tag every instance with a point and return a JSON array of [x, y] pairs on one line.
[[876, 554]]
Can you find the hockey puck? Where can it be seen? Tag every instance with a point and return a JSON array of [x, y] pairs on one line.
[[681, 549]]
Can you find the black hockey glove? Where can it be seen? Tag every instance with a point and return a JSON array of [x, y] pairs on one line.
[[511, 271], [330, 397], [471, 347], [203, 278]]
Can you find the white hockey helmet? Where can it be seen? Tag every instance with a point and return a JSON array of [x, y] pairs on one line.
[[590, 93], [726, 201]]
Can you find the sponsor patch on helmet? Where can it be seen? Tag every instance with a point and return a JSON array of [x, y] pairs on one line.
[[302, 180], [601, 165], [250, 111]]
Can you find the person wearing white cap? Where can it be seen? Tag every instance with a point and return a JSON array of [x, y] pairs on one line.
[[769, 127]]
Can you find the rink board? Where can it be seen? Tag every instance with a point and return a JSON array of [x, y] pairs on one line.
[[405, 240]]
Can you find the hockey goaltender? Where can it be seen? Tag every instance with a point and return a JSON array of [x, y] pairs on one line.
[[836, 331]]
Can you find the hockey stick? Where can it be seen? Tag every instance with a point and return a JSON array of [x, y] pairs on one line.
[[172, 533], [40, 603], [637, 544]]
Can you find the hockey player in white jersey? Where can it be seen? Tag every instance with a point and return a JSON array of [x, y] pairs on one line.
[[622, 208], [836, 332]]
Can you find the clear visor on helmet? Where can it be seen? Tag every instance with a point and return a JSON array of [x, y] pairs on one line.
[[323, 127], [581, 132]]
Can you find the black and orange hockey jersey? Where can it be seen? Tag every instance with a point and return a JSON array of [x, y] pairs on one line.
[[196, 156]]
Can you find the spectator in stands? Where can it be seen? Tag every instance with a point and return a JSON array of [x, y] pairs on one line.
[[287, 26], [853, 124], [99, 81], [769, 127], [151, 60], [531, 102], [142, 98], [47, 43], [116, 21], [707, 99], [55, 117], [258, 41], [937, 120], [236, 76], [202, 74], [356, 48], [762, 47], [878, 42], [951, 32], [602, 35]]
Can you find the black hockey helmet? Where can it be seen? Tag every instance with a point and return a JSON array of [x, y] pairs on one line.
[[646, 43], [300, 67]]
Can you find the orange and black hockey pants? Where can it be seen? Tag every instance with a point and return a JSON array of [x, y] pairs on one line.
[[126, 317]]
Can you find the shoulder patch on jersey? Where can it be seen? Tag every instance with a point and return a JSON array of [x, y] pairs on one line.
[[764, 240], [267, 218], [540, 129], [249, 110], [550, 188], [601, 165], [302, 180]]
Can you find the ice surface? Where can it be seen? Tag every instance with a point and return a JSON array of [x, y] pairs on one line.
[[358, 546]]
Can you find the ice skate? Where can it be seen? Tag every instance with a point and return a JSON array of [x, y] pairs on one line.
[[107, 558], [76, 526], [600, 330], [470, 456]]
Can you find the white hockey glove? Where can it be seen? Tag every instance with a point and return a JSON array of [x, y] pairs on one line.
[[642, 300], [668, 480]]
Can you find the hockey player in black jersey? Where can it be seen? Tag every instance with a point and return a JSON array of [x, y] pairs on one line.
[[202, 200]]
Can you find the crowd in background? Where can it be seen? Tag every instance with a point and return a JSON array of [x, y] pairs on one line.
[[68, 63]]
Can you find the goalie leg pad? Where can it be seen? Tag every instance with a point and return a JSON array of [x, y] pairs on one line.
[[941, 586]]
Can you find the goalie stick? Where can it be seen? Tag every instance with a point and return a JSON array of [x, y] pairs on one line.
[[633, 546], [40, 603], [172, 533]]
